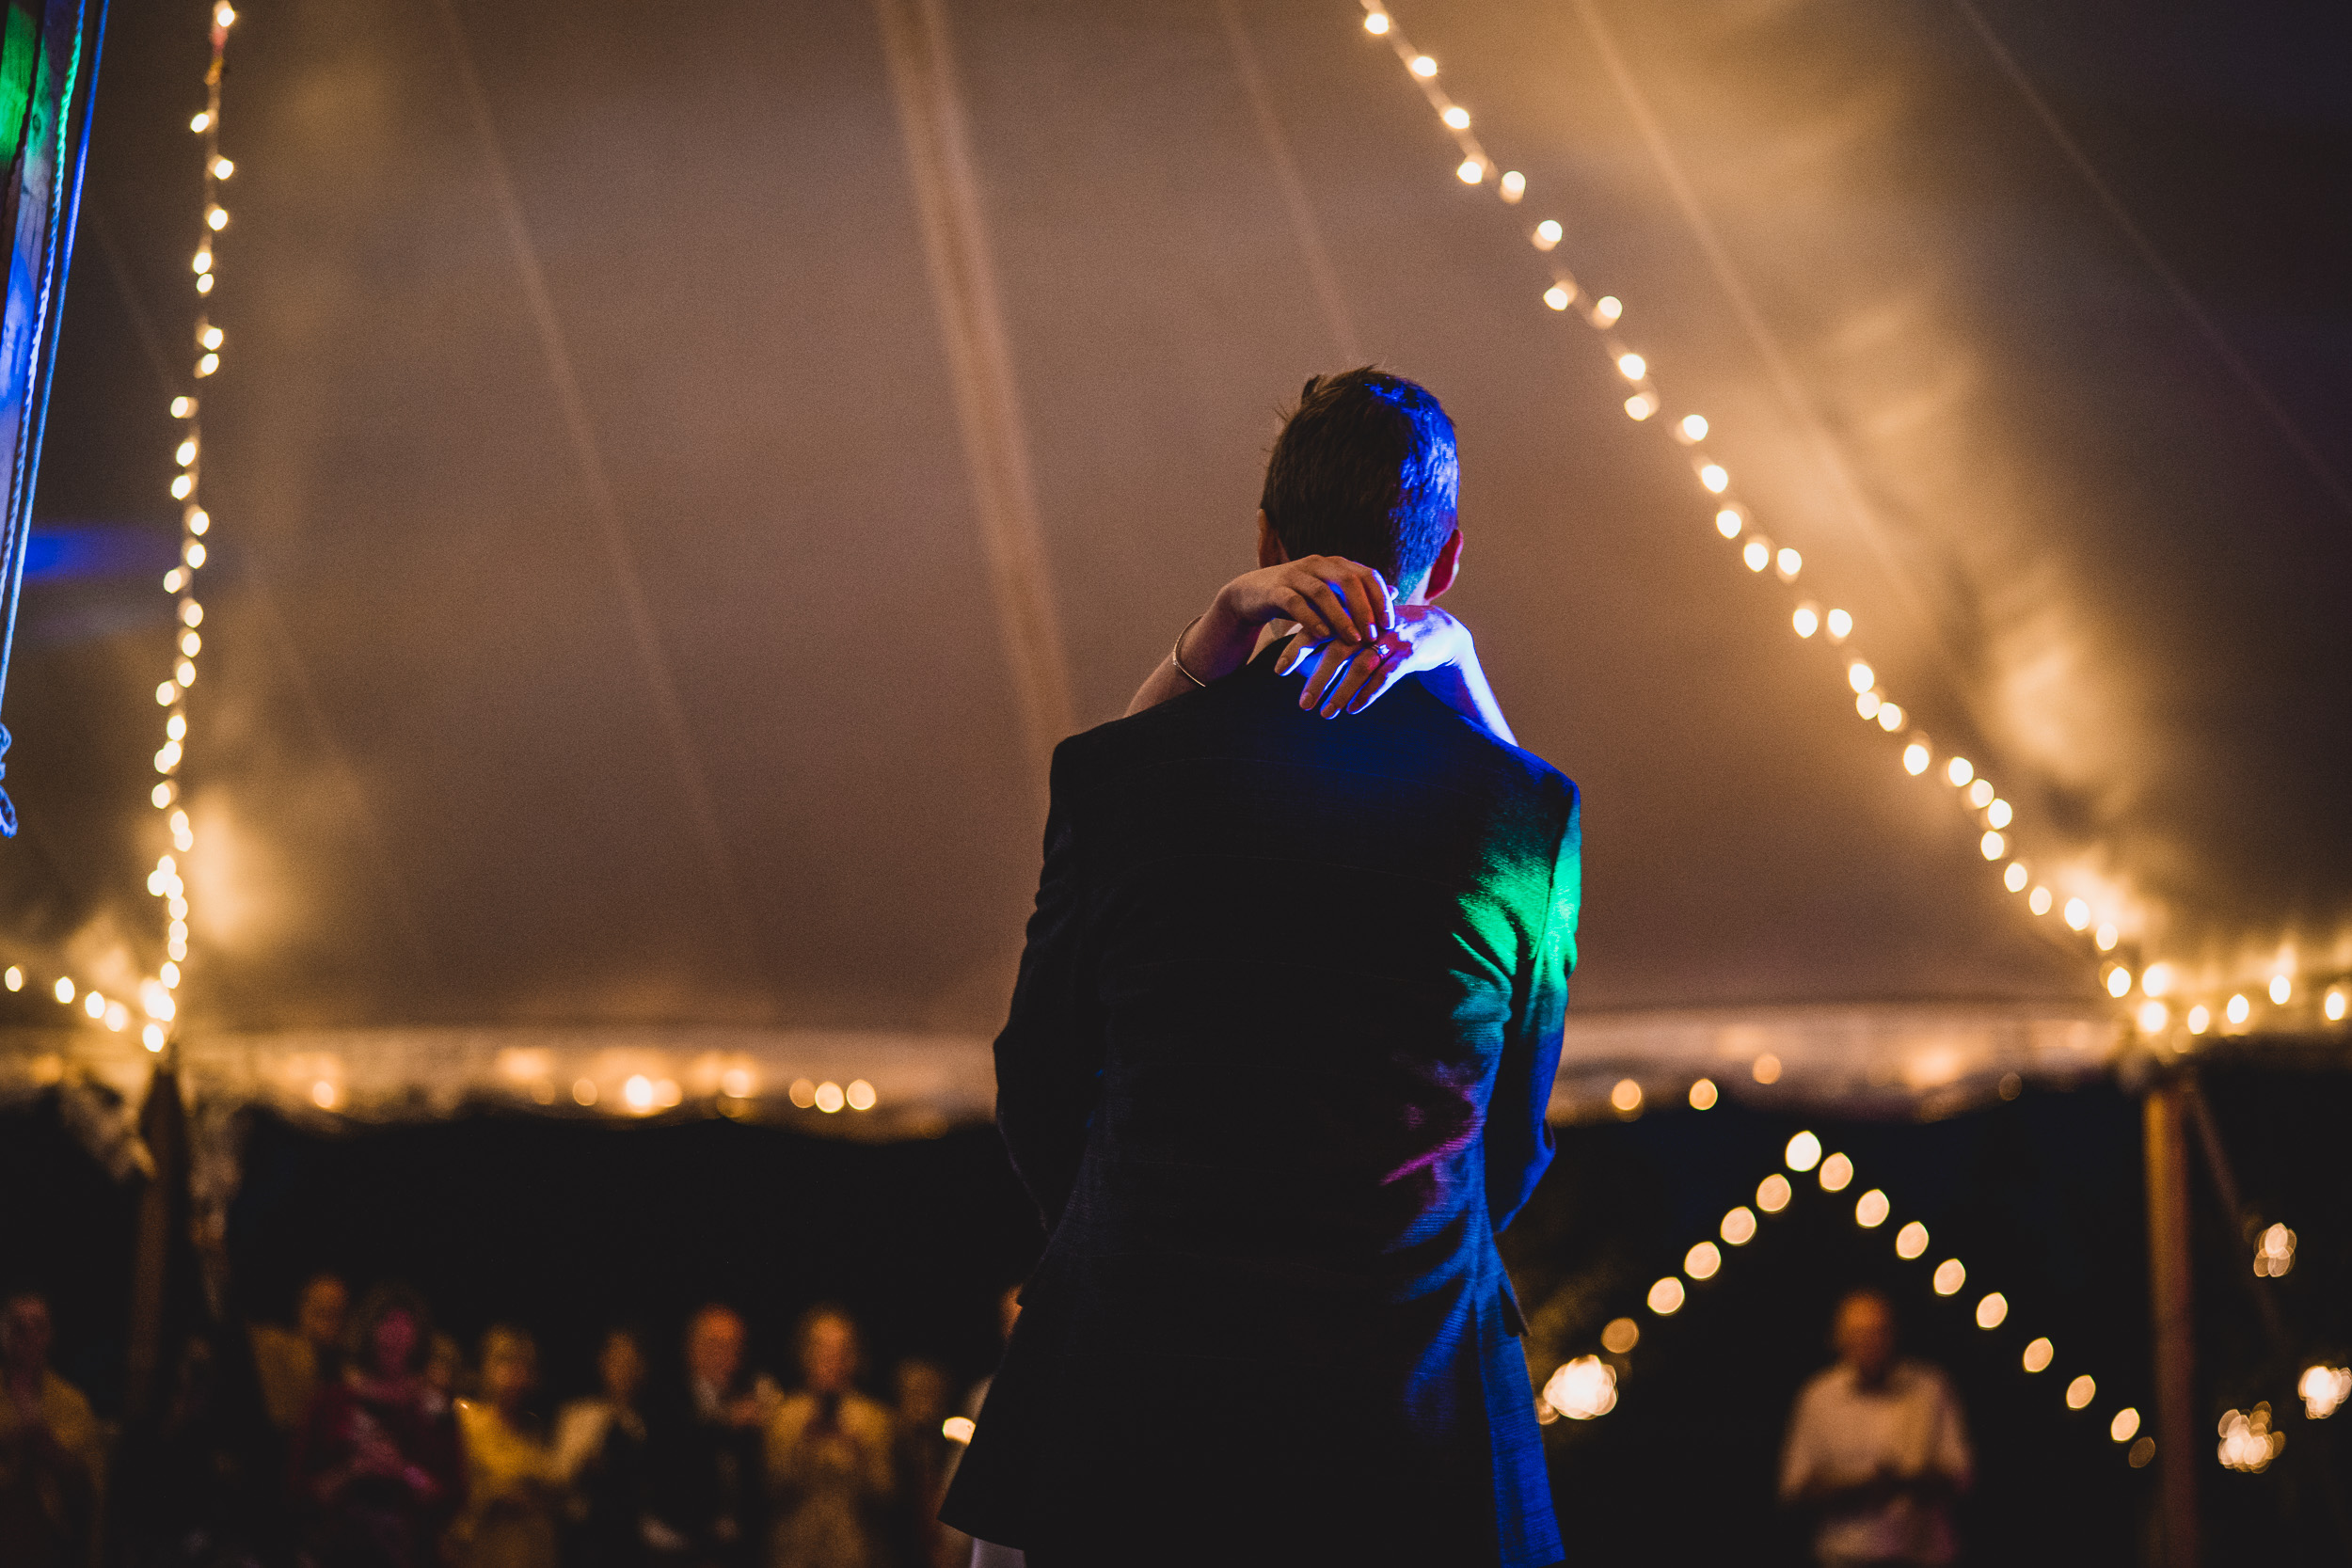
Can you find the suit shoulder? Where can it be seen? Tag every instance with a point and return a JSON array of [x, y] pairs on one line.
[[1516, 766]]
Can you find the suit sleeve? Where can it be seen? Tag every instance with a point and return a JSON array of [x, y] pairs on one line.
[[1049, 1056], [1518, 1139]]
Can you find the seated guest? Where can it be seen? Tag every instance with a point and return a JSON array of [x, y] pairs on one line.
[[511, 1477], [828, 1456], [703, 1454], [376, 1467], [600, 1451], [1875, 1451], [51, 1467], [292, 1363]]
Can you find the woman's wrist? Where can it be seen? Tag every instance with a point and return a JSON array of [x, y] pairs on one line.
[[1218, 642]]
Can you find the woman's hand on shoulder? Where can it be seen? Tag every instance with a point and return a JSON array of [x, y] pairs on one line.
[[1329, 594], [1348, 678]]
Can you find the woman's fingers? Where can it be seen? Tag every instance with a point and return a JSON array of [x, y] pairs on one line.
[[1360, 672], [1299, 606], [1302, 643], [1338, 619], [1371, 691], [1359, 600], [1328, 662]]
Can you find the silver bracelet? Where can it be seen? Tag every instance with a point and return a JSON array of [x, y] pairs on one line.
[[1176, 654]]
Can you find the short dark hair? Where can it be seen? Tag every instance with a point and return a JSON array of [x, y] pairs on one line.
[[1365, 467]]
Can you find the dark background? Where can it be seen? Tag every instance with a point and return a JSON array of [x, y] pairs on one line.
[[567, 1226]]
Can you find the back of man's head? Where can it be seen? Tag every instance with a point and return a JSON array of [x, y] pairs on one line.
[[1366, 469]]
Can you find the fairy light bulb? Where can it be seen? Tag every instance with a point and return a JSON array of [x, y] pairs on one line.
[[202, 123], [2078, 913], [1789, 564], [1471, 171], [1547, 233], [1891, 718], [1695, 426], [1557, 298], [1512, 187], [1727, 523], [1860, 677], [1632, 366], [1640, 405], [1714, 477], [1756, 554], [1840, 625], [223, 168], [1377, 24], [1915, 759], [1455, 117], [1807, 620], [2016, 877], [1997, 814], [1424, 67], [1960, 770]]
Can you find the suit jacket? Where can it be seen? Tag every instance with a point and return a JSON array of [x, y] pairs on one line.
[[1276, 1075]]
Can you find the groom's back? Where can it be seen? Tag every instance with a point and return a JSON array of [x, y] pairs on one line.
[[1311, 942]]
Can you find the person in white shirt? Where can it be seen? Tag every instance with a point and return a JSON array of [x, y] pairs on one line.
[[1877, 1451]]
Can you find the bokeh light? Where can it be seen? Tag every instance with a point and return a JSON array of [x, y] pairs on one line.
[[1582, 1389]]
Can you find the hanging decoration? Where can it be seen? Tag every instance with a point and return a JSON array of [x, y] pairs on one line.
[[157, 1004], [1737, 524]]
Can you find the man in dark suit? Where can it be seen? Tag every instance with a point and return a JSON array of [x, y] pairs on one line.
[[1278, 1063]]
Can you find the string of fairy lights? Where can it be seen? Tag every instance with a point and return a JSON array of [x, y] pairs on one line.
[[157, 1003], [1585, 1388], [2159, 984]]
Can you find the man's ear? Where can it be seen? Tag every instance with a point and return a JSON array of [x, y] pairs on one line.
[[1443, 570], [1270, 550]]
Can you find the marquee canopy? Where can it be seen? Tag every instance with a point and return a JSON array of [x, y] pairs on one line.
[[667, 465]]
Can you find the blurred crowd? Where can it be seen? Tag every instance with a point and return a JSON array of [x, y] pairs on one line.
[[360, 1437]]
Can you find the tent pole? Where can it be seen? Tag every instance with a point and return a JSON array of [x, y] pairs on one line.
[[2167, 1151], [163, 1211]]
